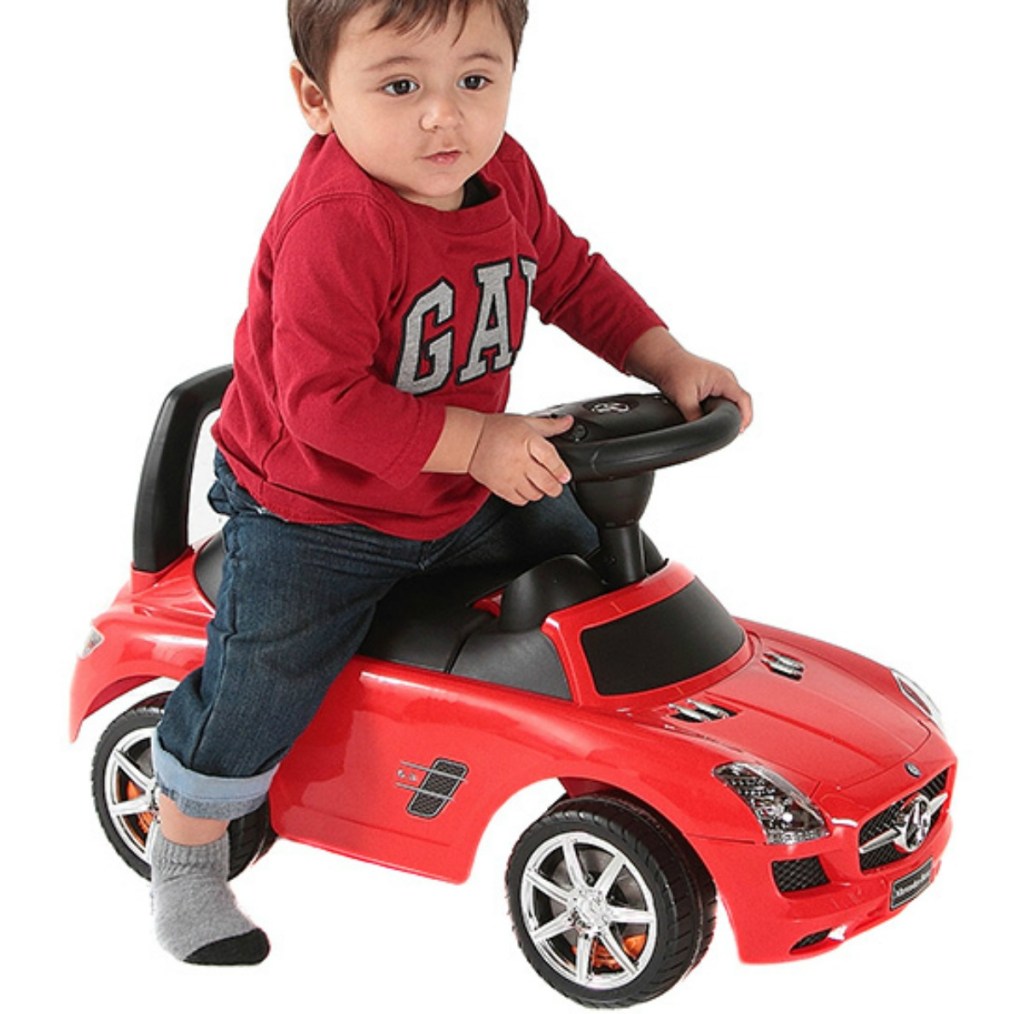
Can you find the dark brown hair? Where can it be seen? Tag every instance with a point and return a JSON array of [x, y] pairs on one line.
[[316, 25]]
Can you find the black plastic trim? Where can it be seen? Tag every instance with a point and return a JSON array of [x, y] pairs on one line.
[[424, 621], [673, 640], [650, 434], [557, 583], [523, 661], [793, 875], [161, 507]]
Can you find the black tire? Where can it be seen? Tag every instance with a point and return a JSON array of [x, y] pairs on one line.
[[123, 792], [569, 906]]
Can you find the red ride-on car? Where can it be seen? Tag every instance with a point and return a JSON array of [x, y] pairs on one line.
[[701, 755]]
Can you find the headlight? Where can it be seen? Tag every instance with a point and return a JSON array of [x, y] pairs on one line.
[[92, 642], [918, 697], [785, 814]]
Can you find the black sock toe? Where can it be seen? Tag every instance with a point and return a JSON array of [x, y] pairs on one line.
[[248, 949]]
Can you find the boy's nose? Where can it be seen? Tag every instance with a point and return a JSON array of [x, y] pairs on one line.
[[440, 113]]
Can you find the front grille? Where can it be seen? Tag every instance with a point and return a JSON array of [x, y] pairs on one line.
[[792, 875], [888, 820]]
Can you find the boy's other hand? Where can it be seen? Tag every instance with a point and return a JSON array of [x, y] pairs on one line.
[[515, 459], [685, 379], [691, 380]]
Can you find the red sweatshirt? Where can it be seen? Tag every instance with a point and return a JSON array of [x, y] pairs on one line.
[[369, 314]]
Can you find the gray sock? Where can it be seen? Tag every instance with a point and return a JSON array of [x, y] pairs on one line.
[[197, 919]]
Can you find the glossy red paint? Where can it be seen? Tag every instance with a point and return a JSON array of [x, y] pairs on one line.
[[842, 733], [154, 628]]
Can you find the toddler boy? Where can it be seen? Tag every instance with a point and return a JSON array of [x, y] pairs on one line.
[[364, 437]]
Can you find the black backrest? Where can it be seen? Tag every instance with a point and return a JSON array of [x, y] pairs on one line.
[[161, 508]]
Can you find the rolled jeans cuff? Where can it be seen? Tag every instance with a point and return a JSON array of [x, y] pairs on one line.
[[207, 796]]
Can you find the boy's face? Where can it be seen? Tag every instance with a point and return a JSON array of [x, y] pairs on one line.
[[421, 112]]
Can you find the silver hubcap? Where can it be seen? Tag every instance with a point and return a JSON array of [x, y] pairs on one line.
[[588, 911], [129, 789]]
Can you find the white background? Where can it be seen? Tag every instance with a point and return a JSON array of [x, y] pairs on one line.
[[825, 195]]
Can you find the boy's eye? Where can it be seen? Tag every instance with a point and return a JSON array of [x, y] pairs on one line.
[[474, 82], [401, 87]]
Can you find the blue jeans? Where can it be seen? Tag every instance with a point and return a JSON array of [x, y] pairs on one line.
[[294, 605]]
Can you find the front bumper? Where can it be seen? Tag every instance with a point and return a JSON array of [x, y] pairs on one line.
[[787, 902]]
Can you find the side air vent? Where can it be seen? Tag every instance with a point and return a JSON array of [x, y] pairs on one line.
[[784, 665], [432, 787], [812, 940], [698, 711]]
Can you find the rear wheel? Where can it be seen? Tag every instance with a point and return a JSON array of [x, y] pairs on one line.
[[610, 907], [124, 793]]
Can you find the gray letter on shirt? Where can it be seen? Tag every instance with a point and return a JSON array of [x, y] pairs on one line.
[[439, 301], [491, 323]]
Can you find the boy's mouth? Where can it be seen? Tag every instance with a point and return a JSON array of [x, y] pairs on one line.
[[444, 158]]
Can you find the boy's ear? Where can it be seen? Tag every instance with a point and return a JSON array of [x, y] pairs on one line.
[[312, 100]]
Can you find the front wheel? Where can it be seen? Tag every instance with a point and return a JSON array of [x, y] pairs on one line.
[[609, 906], [124, 793]]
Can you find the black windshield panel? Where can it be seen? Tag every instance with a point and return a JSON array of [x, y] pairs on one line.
[[676, 639]]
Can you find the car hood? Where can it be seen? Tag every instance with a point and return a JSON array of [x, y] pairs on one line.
[[828, 719]]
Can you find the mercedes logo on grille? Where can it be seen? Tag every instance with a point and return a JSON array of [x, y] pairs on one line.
[[915, 822]]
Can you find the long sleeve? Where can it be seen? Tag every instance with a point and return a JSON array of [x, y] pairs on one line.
[[576, 289]]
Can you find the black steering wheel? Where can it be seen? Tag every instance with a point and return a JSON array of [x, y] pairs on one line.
[[632, 434]]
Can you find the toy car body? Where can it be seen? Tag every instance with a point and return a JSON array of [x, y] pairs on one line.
[[808, 786]]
